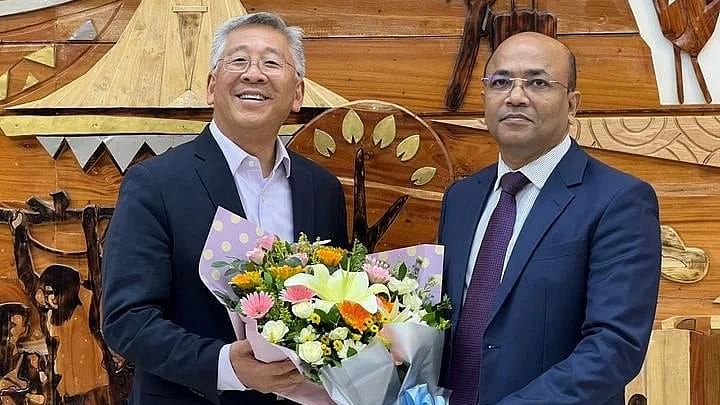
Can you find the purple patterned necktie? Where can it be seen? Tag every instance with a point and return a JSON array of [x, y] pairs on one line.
[[467, 348]]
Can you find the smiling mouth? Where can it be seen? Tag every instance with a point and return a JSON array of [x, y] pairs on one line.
[[252, 97]]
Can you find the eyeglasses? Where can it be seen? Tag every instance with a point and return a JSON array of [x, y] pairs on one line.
[[498, 84], [268, 66]]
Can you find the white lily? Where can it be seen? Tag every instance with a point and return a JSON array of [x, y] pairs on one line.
[[342, 285]]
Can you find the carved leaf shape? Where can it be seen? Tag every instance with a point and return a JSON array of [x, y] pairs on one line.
[[423, 175], [352, 127], [408, 148], [324, 143], [384, 132]]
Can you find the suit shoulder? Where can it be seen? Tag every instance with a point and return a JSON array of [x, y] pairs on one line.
[[612, 176]]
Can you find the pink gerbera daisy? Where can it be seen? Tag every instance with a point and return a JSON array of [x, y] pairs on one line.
[[297, 293], [256, 305], [376, 270]]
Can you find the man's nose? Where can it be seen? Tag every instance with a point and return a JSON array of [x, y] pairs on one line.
[[253, 73], [517, 94]]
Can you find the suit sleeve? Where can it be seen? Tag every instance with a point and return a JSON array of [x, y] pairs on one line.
[[622, 290], [137, 275]]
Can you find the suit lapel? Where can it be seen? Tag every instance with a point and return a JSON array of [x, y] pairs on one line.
[[301, 188], [214, 173], [550, 203], [460, 244]]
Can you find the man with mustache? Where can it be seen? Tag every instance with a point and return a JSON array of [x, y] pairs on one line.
[[156, 311], [553, 272]]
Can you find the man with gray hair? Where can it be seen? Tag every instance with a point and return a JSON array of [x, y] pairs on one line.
[[156, 311]]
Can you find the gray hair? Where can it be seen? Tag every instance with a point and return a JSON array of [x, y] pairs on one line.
[[293, 34]]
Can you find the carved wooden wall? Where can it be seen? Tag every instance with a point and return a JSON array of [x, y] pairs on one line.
[[400, 51]]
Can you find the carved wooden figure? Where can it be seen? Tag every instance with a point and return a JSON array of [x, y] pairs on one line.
[[476, 20], [688, 24], [72, 359], [505, 25]]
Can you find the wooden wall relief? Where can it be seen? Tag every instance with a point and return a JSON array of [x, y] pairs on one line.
[[477, 16], [183, 31], [682, 264], [681, 364], [507, 24], [9, 7], [689, 139], [401, 166], [482, 21], [688, 25], [59, 356], [45, 49], [685, 44]]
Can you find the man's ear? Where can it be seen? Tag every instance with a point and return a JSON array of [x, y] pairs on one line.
[[299, 95], [573, 105], [211, 88]]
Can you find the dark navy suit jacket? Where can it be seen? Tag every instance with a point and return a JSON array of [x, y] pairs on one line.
[[156, 311], [572, 317]]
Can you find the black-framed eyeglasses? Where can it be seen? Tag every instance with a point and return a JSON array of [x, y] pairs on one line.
[[270, 66], [501, 84]]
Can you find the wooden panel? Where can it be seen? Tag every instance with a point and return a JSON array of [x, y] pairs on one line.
[[99, 185], [666, 375], [60, 26], [705, 352], [50, 14], [73, 60], [368, 18], [414, 72], [433, 17], [27, 170]]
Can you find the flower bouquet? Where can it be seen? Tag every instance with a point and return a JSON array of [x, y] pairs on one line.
[[362, 328]]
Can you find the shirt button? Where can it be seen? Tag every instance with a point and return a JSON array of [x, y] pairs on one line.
[[251, 163]]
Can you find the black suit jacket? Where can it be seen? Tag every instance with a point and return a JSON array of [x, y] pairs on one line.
[[156, 311]]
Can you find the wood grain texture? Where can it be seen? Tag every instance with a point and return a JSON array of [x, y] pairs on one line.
[[692, 139], [665, 377], [157, 62], [414, 72], [59, 23], [387, 177], [347, 18]]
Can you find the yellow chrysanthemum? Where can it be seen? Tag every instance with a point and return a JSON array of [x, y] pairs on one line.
[[283, 273], [247, 280], [330, 256]]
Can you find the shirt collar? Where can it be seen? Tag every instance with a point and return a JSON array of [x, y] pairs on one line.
[[235, 155], [539, 170]]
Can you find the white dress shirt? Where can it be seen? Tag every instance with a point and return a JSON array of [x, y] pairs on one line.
[[538, 171], [267, 202]]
